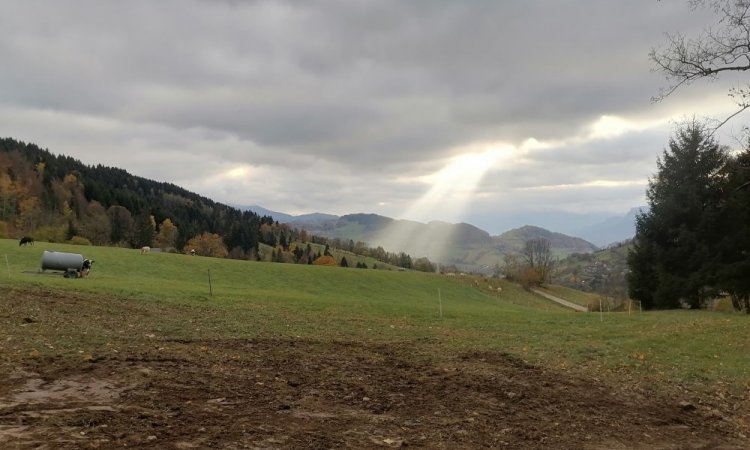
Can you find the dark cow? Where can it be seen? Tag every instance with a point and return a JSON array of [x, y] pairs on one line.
[[26, 240]]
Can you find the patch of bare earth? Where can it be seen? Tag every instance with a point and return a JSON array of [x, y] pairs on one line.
[[303, 394]]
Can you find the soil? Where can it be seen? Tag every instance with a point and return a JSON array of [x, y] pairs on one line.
[[265, 393]]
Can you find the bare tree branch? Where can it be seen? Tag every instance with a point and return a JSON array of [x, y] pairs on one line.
[[722, 48], [736, 113]]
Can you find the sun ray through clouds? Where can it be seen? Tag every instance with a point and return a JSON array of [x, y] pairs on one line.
[[451, 191]]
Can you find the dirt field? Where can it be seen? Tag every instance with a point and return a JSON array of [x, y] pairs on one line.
[[157, 391]]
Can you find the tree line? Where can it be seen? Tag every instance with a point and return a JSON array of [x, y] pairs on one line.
[[57, 198]]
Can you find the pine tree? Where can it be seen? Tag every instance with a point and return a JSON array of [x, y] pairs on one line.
[[732, 255], [674, 239], [145, 230]]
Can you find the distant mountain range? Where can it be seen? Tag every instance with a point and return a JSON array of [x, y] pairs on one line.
[[462, 244], [612, 230], [287, 218], [608, 231]]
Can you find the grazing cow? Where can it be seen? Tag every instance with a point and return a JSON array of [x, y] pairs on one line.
[[26, 240], [145, 249]]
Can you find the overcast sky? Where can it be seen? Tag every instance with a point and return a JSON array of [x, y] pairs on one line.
[[488, 112]]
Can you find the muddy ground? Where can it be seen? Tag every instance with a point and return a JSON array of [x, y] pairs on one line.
[[161, 391]]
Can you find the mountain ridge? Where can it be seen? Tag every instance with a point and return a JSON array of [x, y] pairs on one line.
[[614, 229], [462, 244], [611, 230]]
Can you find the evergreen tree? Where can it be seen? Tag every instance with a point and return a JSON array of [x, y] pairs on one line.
[[70, 231], [674, 239], [145, 230], [404, 260], [642, 279], [121, 224], [344, 262], [732, 255]]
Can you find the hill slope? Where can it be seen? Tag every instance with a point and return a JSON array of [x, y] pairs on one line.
[[60, 197], [514, 240], [463, 245], [603, 271]]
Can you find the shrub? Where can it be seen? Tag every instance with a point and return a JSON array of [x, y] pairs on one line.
[[325, 261], [207, 244], [529, 277], [78, 240], [724, 305], [51, 233], [598, 304]]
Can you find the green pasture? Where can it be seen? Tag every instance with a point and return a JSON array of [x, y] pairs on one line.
[[572, 295], [439, 316]]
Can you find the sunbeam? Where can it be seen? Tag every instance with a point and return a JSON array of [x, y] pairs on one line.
[[451, 191]]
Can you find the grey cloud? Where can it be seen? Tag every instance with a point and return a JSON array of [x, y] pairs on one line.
[[633, 148], [377, 89]]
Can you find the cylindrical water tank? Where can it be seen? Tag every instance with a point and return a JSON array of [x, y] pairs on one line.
[[61, 261]]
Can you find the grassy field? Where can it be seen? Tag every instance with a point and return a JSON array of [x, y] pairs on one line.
[[450, 313], [572, 295], [146, 353]]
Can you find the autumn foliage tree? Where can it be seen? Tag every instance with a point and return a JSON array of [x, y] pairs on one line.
[[29, 214], [326, 260], [207, 244], [167, 235], [8, 197], [95, 225]]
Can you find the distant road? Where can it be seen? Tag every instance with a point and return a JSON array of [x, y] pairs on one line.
[[560, 300]]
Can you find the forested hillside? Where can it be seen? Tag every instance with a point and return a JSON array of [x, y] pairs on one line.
[[56, 198]]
